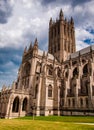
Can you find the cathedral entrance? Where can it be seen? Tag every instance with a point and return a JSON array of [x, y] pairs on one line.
[[15, 107], [24, 106]]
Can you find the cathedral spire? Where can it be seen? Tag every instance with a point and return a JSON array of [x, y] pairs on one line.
[[61, 15], [36, 42], [35, 47], [30, 47]]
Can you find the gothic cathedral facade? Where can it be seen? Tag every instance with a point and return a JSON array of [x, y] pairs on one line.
[[57, 82]]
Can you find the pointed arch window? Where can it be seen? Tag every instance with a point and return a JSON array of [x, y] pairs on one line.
[[85, 69], [68, 47], [36, 90], [55, 48], [58, 46], [15, 107], [58, 29], [50, 70], [24, 106], [86, 102], [26, 69], [73, 102], [65, 45], [64, 29], [69, 102], [50, 91], [75, 72], [55, 31], [81, 102]]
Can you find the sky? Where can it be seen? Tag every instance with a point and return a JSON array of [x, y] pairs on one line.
[[21, 21]]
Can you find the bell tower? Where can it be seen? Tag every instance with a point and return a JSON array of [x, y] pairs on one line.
[[61, 37]]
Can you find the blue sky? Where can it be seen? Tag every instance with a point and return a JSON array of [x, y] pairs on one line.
[[21, 21]]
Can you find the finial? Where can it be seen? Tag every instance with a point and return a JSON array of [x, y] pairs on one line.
[[65, 20], [72, 21], [25, 50], [30, 47], [61, 15], [35, 44]]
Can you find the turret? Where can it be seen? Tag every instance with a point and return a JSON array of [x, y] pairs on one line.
[[35, 47]]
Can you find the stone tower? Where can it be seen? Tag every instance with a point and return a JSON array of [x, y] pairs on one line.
[[61, 37]]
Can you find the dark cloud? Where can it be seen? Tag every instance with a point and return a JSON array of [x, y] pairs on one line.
[[10, 60], [5, 11], [63, 2], [79, 2], [8, 55], [52, 3], [48, 1]]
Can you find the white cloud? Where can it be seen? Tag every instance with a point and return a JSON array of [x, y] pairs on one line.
[[30, 19], [82, 34], [29, 16]]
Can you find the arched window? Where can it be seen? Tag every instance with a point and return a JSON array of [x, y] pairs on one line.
[[86, 102], [26, 69], [81, 102], [73, 102], [65, 45], [64, 29], [85, 69], [69, 103], [50, 70], [49, 91], [84, 88], [58, 46], [24, 106], [75, 72], [58, 29], [66, 74], [55, 48], [68, 47], [55, 32], [52, 33], [15, 107], [36, 90]]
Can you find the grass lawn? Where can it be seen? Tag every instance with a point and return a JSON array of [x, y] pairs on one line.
[[47, 123]]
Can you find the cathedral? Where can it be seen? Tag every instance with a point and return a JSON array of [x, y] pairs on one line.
[[57, 82]]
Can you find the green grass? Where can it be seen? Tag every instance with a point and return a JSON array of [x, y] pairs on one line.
[[76, 119], [47, 123]]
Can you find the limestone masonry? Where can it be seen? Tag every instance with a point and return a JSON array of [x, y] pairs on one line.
[[57, 82]]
